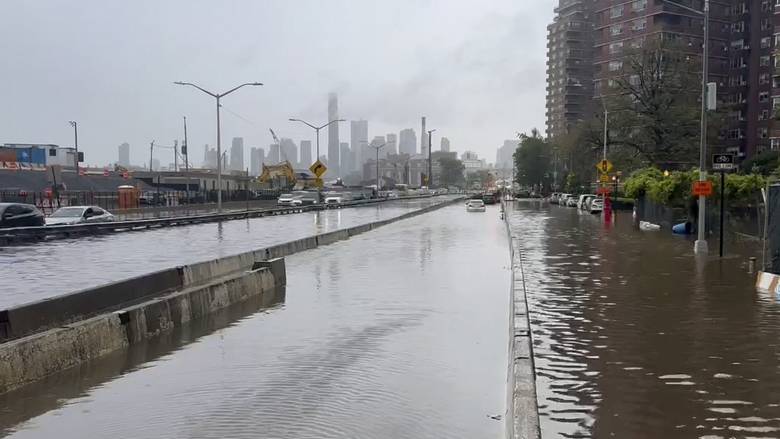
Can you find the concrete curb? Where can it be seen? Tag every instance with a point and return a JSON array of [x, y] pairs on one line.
[[522, 415]]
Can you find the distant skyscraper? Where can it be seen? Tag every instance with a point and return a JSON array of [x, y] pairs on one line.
[[423, 139], [237, 154], [274, 155], [306, 154], [333, 136], [289, 151], [124, 155], [392, 144], [407, 142], [209, 158], [256, 157], [359, 141], [345, 155], [505, 154], [445, 144]]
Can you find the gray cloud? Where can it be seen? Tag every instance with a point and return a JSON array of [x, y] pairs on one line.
[[475, 69]]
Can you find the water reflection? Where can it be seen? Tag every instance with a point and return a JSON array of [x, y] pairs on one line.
[[635, 337], [77, 382]]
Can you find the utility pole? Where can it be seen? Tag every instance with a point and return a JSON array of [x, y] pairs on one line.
[[186, 152], [75, 126], [701, 242], [151, 155], [430, 162]]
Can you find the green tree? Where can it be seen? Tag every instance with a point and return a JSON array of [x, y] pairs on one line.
[[451, 172], [532, 160], [653, 108]]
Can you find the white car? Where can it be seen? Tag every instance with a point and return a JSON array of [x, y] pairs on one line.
[[336, 198], [475, 206], [79, 215], [596, 205], [286, 200], [583, 200], [571, 201]]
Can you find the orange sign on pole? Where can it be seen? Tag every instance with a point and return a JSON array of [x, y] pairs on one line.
[[702, 188]]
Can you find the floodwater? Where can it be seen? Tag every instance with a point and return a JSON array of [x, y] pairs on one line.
[[633, 338], [48, 269], [401, 332]]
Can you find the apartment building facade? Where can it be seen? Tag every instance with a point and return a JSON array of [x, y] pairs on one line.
[[741, 59]]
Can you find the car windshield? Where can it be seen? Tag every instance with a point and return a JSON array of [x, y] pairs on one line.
[[68, 212], [286, 196]]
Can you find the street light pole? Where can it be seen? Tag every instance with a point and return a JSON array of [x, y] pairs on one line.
[[430, 163], [377, 164], [75, 126], [700, 247], [317, 129], [218, 96]]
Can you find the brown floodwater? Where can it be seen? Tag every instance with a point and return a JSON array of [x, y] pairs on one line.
[[636, 338]]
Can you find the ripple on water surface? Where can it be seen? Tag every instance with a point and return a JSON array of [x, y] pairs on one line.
[[634, 339]]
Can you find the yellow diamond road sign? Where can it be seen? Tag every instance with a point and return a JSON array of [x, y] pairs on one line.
[[604, 178], [604, 166], [318, 168]]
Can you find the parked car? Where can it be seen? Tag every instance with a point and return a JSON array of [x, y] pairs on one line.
[[562, 199], [571, 201], [336, 198], [79, 215], [305, 198], [581, 202], [596, 205], [285, 200], [554, 197], [20, 215], [475, 206]]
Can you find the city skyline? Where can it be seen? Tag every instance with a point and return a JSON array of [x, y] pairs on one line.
[[112, 112]]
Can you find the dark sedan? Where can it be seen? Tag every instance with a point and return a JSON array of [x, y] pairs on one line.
[[20, 215]]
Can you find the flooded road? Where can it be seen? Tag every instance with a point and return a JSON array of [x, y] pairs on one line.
[[48, 269], [634, 339], [401, 332]]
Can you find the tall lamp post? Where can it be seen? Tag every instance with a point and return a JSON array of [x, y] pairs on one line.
[[430, 163], [317, 129], [218, 96], [75, 126], [701, 242], [377, 164]]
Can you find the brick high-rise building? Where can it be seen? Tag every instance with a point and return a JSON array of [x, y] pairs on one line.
[[569, 66]]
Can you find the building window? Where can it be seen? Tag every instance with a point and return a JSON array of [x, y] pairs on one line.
[[765, 6], [639, 5], [616, 11], [764, 61], [639, 24], [764, 78], [763, 97], [738, 44], [615, 48], [634, 80], [639, 42], [766, 42], [738, 27], [616, 29], [776, 103], [735, 134], [774, 144], [763, 115], [52, 152], [617, 65], [766, 24], [763, 133]]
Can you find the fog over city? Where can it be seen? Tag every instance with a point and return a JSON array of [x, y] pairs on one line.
[[476, 70]]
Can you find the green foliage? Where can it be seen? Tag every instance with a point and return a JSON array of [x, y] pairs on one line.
[[451, 172], [675, 188], [764, 163], [480, 179], [532, 160]]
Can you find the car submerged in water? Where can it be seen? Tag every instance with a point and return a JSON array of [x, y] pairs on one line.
[[79, 215], [20, 215]]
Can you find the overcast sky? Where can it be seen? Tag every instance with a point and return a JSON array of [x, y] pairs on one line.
[[476, 69]]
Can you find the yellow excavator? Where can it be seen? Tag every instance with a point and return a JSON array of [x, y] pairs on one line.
[[283, 176]]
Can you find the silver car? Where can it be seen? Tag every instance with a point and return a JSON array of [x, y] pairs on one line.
[[79, 215]]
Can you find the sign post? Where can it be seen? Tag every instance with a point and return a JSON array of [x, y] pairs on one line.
[[722, 163], [605, 167]]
